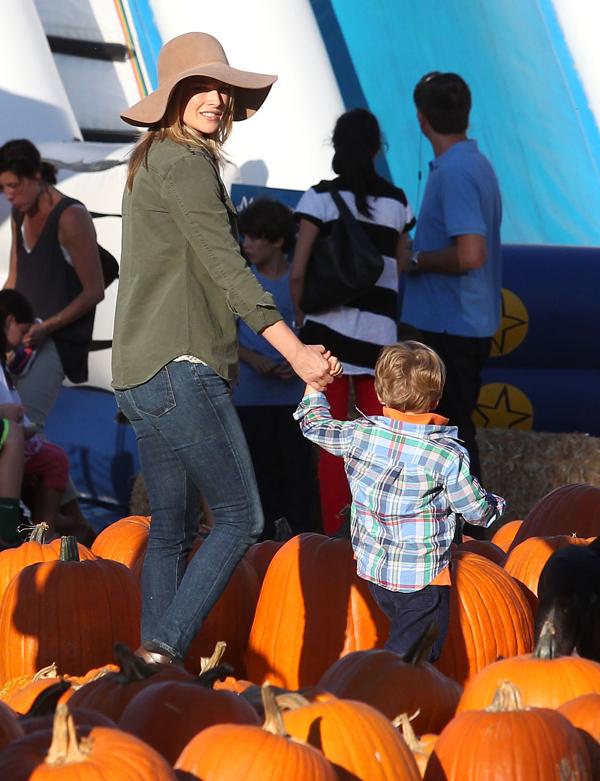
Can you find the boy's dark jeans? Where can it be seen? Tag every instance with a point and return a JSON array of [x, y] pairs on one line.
[[410, 613]]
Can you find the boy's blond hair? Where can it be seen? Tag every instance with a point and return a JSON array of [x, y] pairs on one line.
[[409, 377]]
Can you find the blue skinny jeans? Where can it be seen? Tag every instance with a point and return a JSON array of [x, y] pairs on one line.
[[190, 440]]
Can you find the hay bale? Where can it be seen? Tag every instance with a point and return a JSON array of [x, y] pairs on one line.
[[523, 466]]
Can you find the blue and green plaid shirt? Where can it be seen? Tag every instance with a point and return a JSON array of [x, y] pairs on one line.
[[409, 481]]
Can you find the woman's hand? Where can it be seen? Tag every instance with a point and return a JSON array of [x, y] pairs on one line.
[[312, 366], [35, 336]]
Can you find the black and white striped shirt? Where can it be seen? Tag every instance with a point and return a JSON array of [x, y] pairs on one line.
[[356, 333]]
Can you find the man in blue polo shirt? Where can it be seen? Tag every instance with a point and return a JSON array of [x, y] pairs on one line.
[[452, 293]]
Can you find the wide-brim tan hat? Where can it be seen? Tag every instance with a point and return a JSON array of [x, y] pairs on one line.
[[198, 54]]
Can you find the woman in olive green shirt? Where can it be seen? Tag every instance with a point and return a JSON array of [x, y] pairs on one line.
[[182, 283]]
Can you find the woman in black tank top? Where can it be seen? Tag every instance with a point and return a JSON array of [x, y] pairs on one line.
[[54, 259]]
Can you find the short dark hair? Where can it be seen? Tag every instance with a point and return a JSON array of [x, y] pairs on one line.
[[14, 303], [267, 218], [444, 99], [22, 158]]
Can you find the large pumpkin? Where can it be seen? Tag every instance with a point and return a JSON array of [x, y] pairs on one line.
[[10, 729], [584, 713], [167, 715], [124, 540], [489, 618], [34, 551], [235, 752], [358, 740], [570, 509], [103, 755], [508, 741], [505, 535], [68, 611], [543, 683], [526, 560], [313, 608], [111, 693], [386, 681]]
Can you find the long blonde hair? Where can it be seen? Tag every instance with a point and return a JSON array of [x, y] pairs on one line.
[[172, 126]]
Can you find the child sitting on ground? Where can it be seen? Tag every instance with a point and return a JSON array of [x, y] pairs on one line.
[[46, 464], [410, 479]]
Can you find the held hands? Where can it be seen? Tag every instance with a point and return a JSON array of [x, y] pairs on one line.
[[35, 336], [316, 366]]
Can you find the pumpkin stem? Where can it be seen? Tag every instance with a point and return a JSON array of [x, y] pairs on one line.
[[66, 748], [47, 700], [283, 530], [132, 667], [273, 718], [68, 549], [545, 648], [208, 662], [51, 671], [38, 533], [218, 673], [420, 651], [507, 698], [408, 733], [291, 701]]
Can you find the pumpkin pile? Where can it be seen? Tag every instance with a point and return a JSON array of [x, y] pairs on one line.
[[288, 677]]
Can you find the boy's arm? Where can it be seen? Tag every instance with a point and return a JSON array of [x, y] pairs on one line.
[[468, 498], [316, 423]]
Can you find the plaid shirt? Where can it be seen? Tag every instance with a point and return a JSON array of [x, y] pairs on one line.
[[408, 482]]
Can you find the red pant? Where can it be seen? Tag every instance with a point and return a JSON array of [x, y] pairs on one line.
[[333, 486], [50, 465]]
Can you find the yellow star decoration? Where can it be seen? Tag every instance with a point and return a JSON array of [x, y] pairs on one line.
[[503, 406], [514, 324]]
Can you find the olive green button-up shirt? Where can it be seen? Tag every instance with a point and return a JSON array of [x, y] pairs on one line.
[[182, 278]]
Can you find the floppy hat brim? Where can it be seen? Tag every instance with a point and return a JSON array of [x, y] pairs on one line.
[[251, 90]]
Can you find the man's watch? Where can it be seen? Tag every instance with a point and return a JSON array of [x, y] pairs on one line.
[[413, 263]]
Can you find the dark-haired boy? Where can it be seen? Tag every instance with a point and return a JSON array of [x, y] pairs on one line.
[[452, 293], [267, 391]]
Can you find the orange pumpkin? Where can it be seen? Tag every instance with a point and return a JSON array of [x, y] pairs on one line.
[[124, 540], [104, 755], [83, 719], [387, 682], [508, 741], [484, 548], [167, 715], [261, 554], [584, 713], [357, 739], [570, 509], [313, 609], [526, 560], [68, 611], [34, 551], [10, 729], [489, 617], [111, 693], [234, 751], [543, 683], [504, 536]]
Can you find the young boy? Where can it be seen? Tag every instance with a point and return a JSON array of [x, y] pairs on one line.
[[410, 479], [267, 391]]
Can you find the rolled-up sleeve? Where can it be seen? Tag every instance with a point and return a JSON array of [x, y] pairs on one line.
[[193, 193]]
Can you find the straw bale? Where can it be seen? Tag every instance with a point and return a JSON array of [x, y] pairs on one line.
[[523, 466]]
